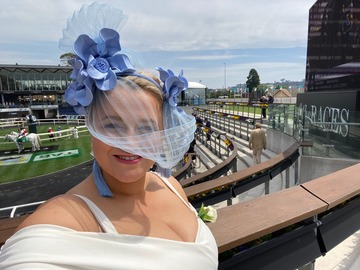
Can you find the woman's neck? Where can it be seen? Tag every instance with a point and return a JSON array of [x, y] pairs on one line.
[[122, 187]]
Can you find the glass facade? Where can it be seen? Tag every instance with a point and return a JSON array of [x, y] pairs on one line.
[[333, 51], [336, 139], [23, 85]]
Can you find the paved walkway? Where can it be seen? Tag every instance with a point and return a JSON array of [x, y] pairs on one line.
[[345, 256]]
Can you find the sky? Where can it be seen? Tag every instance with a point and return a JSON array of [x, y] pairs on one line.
[[215, 42]]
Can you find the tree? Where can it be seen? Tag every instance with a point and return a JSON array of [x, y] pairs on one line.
[[64, 58], [262, 89], [253, 80]]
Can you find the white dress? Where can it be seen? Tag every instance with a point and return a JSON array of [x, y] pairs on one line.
[[54, 247]]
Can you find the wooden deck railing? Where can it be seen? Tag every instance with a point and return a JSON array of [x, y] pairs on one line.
[[184, 170], [8, 226], [214, 172], [315, 201], [226, 187]]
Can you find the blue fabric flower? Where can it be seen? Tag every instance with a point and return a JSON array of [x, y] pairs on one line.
[[173, 85], [98, 62]]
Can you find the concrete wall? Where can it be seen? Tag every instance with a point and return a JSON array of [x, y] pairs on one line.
[[314, 167], [277, 141]]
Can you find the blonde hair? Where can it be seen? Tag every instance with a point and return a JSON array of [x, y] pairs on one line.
[[147, 85]]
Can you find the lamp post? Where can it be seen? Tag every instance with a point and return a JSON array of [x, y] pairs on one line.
[[225, 75]]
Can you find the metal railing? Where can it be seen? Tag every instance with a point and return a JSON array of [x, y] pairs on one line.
[[16, 210]]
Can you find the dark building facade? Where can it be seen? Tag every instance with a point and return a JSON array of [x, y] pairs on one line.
[[333, 56], [329, 109], [39, 88]]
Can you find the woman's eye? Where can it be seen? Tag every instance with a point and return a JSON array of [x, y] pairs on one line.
[[114, 126], [109, 126], [145, 129]]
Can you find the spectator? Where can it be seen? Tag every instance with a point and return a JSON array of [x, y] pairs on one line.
[[257, 143], [270, 99], [75, 133], [270, 105], [192, 150], [208, 129], [51, 134], [199, 124], [59, 132], [263, 104]]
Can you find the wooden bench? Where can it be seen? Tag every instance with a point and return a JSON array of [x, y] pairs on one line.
[[240, 223], [334, 190], [184, 170], [235, 182], [214, 172], [247, 221], [8, 226], [243, 116], [337, 187]]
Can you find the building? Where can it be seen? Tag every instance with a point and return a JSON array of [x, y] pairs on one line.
[[280, 93], [39, 90], [194, 95], [329, 108]]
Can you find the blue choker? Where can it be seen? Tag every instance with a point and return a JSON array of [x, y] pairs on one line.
[[104, 189], [101, 185]]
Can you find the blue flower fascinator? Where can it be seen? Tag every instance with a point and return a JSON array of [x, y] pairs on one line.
[[99, 58], [173, 85], [96, 64], [112, 102]]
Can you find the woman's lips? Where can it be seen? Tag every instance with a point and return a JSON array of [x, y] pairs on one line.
[[128, 159]]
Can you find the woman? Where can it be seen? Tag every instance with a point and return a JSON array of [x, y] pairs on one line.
[[122, 216]]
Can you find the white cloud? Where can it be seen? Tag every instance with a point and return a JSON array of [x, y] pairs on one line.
[[213, 57], [165, 26]]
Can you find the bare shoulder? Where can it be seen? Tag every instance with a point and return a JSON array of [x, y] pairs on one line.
[[175, 183], [64, 210]]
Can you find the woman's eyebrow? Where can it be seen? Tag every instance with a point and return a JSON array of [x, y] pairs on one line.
[[143, 121], [147, 121], [113, 118]]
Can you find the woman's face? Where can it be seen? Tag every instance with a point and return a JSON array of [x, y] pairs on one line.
[[118, 163]]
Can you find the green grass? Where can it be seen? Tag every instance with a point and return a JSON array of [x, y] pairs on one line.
[[10, 173]]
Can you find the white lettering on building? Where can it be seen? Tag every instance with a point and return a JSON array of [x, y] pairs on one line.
[[331, 119]]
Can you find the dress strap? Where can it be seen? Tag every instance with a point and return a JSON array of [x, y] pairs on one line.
[[103, 220], [171, 187]]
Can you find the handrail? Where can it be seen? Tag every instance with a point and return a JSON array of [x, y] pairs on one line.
[[8, 226], [184, 170], [246, 177], [243, 116], [45, 136], [13, 209], [213, 172], [310, 202], [260, 219]]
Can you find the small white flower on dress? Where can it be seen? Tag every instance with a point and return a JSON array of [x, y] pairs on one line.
[[207, 213]]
